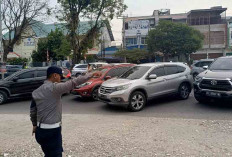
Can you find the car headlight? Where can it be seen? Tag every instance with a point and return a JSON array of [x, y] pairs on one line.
[[124, 87], [84, 84], [198, 79]]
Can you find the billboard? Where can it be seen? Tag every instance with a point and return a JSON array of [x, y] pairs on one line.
[[137, 27]]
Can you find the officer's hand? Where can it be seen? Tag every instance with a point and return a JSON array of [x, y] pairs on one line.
[[33, 130]]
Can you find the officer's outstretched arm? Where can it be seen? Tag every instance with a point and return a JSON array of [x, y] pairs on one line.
[[62, 88]]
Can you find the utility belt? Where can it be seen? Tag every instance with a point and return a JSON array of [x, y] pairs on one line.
[[48, 126]]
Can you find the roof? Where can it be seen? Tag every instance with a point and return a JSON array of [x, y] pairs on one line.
[[219, 10], [174, 16], [42, 30]]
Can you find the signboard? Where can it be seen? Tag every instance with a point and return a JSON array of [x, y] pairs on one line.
[[139, 27], [140, 24], [29, 42]]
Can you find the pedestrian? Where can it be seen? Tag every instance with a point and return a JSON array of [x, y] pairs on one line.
[[46, 110]]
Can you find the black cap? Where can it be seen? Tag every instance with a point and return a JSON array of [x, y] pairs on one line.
[[55, 70]]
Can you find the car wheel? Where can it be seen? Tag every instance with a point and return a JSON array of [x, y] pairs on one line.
[[184, 91], [137, 101], [3, 97], [95, 94], [77, 74], [194, 76]]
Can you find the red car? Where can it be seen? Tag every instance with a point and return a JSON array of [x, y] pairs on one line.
[[90, 88]]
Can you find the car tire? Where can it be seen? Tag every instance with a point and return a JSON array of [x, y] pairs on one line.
[[184, 91], [137, 101], [76, 75], [3, 97], [95, 94]]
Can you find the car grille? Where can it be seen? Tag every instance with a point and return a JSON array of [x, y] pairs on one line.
[[106, 90], [221, 85]]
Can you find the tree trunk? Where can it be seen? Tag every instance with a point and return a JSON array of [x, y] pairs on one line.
[[6, 52]]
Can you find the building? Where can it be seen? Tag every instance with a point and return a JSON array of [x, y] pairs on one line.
[[230, 33], [27, 45], [211, 22], [213, 25]]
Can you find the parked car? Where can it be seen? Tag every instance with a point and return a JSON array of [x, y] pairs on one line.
[[10, 69], [90, 88], [79, 69], [21, 83], [216, 82], [145, 81], [24, 82], [197, 67]]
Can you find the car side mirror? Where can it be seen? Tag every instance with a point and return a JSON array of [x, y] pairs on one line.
[[15, 79], [152, 76], [107, 77], [205, 67]]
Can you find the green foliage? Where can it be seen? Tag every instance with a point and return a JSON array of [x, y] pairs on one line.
[[92, 10], [174, 39], [57, 46], [133, 56], [17, 61]]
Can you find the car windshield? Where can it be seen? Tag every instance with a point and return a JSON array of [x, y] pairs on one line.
[[135, 73], [222, 64], [99, 72]]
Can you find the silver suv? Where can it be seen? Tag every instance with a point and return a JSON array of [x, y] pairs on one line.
[[216, 82], [198, 67], [146, 81]]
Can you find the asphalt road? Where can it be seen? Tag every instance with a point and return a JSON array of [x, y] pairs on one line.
[[167, 107]]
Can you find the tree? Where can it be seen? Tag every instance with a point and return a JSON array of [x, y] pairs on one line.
[[132, 56], [17, 61], [17, 17], [55, 44], [92, 10], [174, 39]]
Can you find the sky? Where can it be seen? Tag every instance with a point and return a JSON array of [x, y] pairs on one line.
[[146, 7]]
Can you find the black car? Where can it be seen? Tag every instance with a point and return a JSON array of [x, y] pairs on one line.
[[10, 69], [22, 83]]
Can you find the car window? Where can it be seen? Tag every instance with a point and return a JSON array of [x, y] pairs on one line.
[[181, 69], [198, 64], [207, 63], [41, 73], [113, 73], [26, 75], [136, 72], [81, 66], [170, 70], [222, 64], [158, 71]]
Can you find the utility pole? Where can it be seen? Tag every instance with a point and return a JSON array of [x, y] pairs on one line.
[[1, 49], [123, 33]]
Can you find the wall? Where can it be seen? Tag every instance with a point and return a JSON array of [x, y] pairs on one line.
[[26, 46], [218, 35]]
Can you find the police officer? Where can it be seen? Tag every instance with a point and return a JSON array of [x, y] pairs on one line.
[[46, 110]]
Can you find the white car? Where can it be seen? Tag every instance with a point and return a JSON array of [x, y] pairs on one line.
[[78, 69]]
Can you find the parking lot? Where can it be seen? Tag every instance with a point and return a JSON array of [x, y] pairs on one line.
[[166, 127]]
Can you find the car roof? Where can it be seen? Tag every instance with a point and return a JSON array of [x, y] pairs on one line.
[[162, 63], [116, 66], [98, 63]]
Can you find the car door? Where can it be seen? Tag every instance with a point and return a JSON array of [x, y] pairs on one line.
[[156, 87], [173, 78], [23, 84]]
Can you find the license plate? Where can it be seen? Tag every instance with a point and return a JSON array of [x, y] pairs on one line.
[[213, 94]]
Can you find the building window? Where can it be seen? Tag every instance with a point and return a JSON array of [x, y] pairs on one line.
[[143, 41], [131, 41], [126, 26]]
